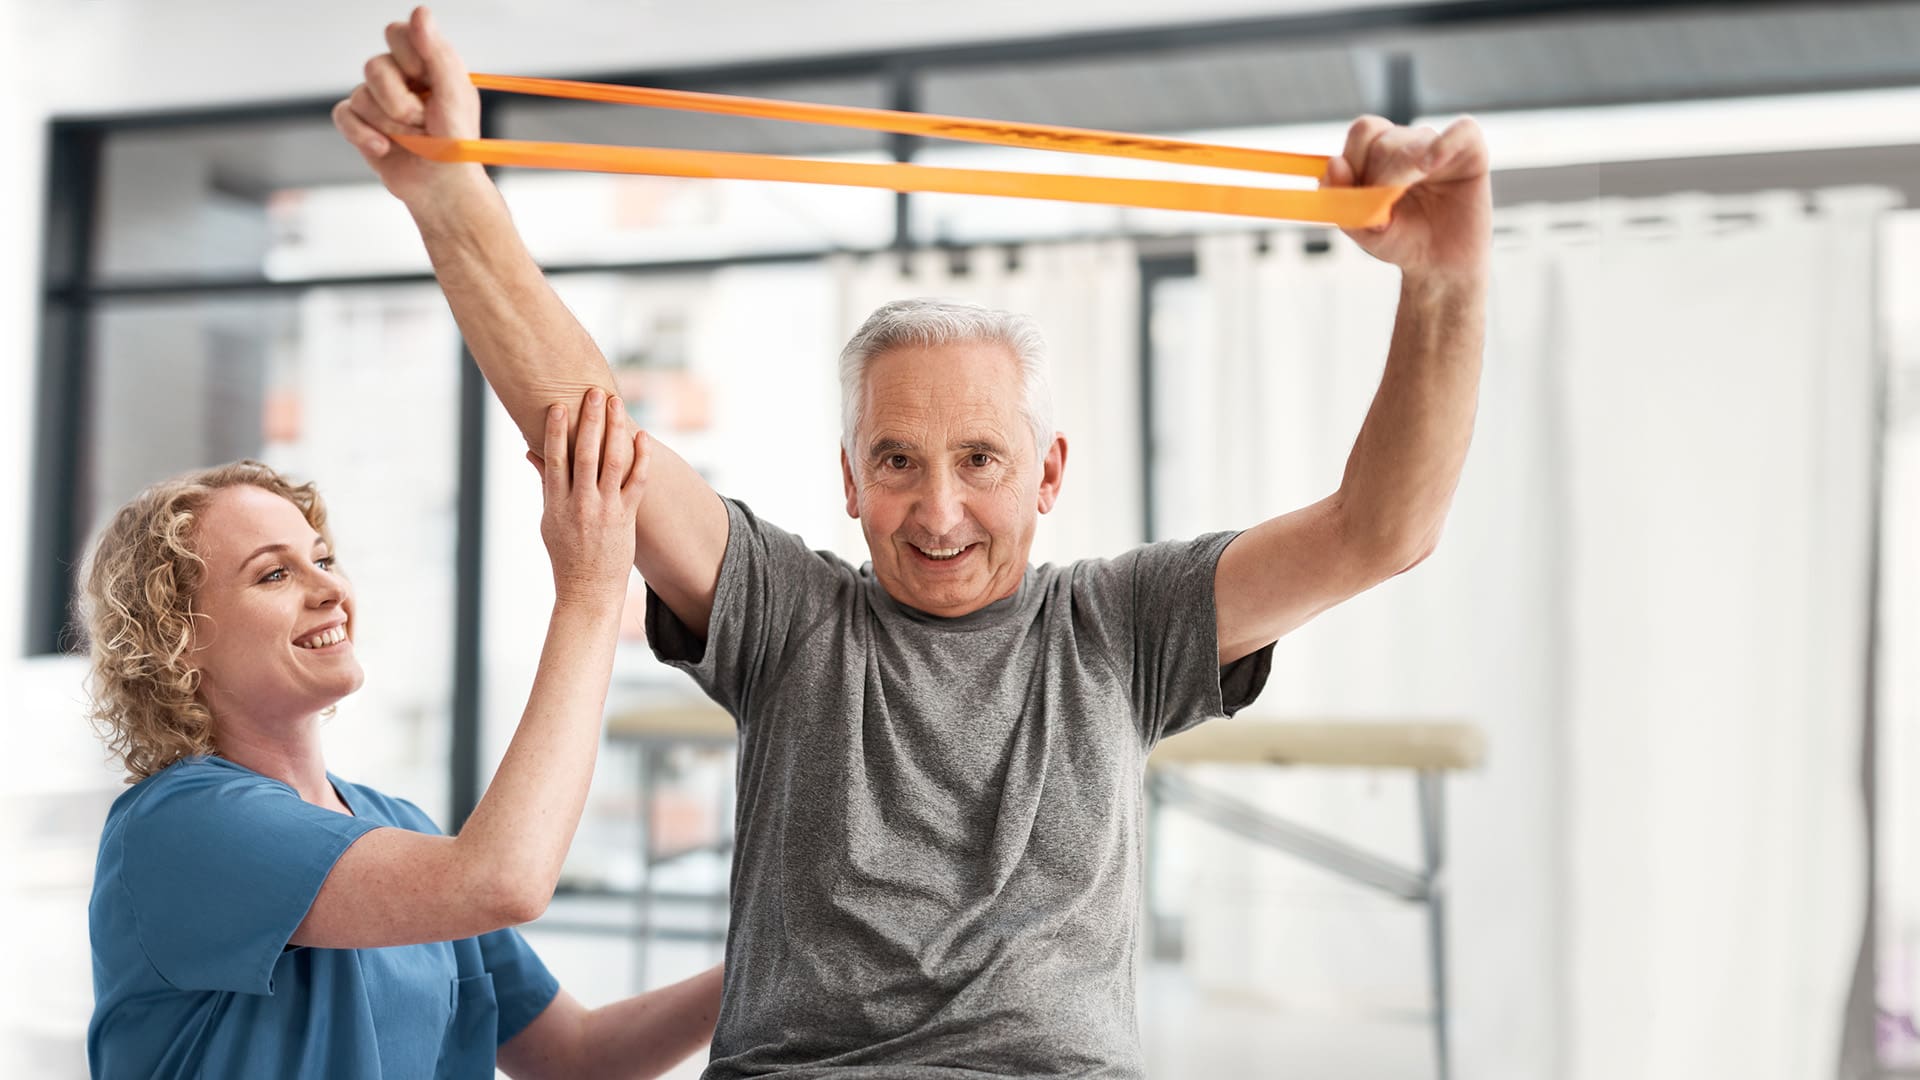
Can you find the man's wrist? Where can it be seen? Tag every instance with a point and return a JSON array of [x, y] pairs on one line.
[[454, 202], [1446, 284]]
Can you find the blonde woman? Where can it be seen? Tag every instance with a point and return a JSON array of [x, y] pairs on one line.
[[254, 915]]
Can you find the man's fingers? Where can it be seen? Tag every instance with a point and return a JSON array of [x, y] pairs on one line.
[[389, 89], [1360, 139], [442, 64], [1459, 152], [400, 44], [1398, 157], [364, 138], [371, 114], [636, 480], [586, 444], [1339, 173], [554, 443]]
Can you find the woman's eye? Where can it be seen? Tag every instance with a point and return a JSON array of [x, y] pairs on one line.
[[324, 562], [278, 573]]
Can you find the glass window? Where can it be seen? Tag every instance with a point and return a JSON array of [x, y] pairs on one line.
[[284, 199], [595, 218], [355, 389]]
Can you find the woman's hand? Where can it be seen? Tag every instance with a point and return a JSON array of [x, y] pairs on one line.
[[591, 497]]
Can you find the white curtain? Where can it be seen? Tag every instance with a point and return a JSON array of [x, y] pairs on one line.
[[1897, 752], [1085, 297], [1652, 594]]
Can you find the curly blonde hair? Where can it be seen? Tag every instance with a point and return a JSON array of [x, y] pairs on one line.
[[139, 579]]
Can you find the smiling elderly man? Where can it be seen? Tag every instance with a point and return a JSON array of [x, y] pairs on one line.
[[938, 868]]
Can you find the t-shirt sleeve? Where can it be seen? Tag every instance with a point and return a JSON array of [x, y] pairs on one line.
[[771, 591], [1151, 610], [221, 867], [522, 985]]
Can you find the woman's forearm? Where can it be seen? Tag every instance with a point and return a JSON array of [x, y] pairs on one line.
[[645, 1035], [525, 822]]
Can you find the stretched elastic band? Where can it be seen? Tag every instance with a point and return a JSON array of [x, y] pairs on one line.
[[1346, 207]]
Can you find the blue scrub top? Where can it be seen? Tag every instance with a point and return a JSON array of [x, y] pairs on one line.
[[206, 869]]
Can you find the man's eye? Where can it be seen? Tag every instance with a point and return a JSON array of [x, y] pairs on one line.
[[981, 461], [896, 461]]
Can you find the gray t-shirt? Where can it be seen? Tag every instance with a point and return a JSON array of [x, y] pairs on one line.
[[938, 857]]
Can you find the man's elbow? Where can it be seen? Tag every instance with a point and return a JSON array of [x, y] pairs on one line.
[[1415, 551]]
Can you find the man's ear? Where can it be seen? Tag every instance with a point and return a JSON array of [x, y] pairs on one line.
[[846, 480], [1053, 469]]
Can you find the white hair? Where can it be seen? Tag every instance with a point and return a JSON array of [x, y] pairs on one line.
[[929, 322]]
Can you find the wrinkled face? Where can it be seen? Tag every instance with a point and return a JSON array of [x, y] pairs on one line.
[[274, 645], [945, 479]]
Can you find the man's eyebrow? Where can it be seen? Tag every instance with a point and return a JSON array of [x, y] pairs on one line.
[[979, 445], [883, 447]]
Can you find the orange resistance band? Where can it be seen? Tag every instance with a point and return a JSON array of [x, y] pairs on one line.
[[1346, 207]]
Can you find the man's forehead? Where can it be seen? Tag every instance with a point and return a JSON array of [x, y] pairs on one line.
[[925, 380], [887, 441]]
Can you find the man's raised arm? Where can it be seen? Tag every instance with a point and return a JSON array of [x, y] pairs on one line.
[[1399, 481], [532, 350]]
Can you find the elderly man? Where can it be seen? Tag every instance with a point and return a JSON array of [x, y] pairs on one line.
[[938, 868]]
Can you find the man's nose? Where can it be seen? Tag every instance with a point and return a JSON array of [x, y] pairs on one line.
[[941, 510]]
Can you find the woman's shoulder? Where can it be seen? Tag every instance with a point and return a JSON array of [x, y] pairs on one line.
[[184, 781], [376, 805]]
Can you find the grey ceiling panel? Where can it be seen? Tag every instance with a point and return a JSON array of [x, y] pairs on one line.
[[1157, 92], [1667, 56]]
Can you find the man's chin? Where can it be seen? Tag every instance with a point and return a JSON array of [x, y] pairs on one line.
[[947, 602]]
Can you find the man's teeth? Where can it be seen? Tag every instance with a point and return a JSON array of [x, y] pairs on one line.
[[941, 553], [324, 638]]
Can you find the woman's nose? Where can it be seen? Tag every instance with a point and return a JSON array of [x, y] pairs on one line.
[[325, 588]]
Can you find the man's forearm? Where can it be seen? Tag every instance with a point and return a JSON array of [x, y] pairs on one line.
[[532, 350], [1406, 462], [535, 354]]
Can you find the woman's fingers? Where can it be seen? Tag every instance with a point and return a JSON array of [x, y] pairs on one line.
[[586, 445], [618, 455]]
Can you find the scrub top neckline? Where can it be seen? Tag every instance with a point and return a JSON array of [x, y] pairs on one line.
[[339, 786]]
